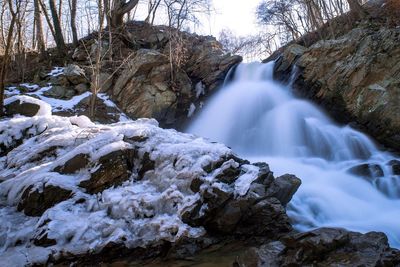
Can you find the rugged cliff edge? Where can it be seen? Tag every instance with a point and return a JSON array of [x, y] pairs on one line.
[[356, 77]]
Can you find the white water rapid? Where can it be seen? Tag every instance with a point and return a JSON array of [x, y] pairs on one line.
[[262, 121]]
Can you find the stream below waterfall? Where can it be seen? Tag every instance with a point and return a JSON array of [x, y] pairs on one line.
[[346, 181]]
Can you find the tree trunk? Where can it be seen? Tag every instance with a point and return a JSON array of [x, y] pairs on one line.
[[59, 38], [356, 8], [73, 22], [39, 29], [6, 57], [119, 9], [46, 15]]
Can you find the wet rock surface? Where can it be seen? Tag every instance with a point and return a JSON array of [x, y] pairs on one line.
[[323, 247], [368, 171]]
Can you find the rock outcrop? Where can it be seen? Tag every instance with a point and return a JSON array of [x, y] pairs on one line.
[[355, 77], [323, 247], [144, 88], [85, 189], [159, 75]]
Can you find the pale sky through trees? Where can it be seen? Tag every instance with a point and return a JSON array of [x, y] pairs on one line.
[[236, 15]]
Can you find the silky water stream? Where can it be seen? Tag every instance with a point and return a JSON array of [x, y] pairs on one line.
[[346, 181]]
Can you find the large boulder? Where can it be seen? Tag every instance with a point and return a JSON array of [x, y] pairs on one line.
[[150, 87], [355, 77], [23, 108], [255, 210], [60, 92], [141, 79], [75, 74]]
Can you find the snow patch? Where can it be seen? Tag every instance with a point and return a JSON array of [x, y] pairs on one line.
[[200, 89], [56, 71], [242, 184], [191, 111]]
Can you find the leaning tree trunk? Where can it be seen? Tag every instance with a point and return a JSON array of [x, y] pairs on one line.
[[59, 38], [73, 22], [6, 56]]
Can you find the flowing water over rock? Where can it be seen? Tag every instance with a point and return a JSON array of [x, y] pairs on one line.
[[347, 181]]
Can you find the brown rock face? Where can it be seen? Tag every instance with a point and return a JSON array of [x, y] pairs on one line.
[[115, 168], [355, 77], [207, 62], [35, 203], [144, 88], [323, 247], [73, 165]]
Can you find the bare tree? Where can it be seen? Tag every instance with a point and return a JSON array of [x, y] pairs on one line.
[[7, 53], [73, 9], [153, 6], [117, 11], [39, 28], [58, 35], [180, 12]]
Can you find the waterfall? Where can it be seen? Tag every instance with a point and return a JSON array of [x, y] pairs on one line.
[[347, 181]]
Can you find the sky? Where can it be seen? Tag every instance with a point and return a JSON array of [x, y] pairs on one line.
[[236, 15]]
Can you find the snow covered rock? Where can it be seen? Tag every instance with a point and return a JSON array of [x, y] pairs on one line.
[[73, 189], [26, 106]]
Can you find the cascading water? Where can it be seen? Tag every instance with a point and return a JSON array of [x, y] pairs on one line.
[[347, 181]]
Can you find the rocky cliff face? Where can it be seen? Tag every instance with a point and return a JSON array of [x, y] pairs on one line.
[[355, 77], [142, 80]]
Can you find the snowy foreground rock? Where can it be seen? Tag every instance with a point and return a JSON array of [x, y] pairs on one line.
[[70, 188]]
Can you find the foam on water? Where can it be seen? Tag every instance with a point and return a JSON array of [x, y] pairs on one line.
[[263, 121]]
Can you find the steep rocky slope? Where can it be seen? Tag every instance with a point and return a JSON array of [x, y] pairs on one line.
[[356, 77]]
